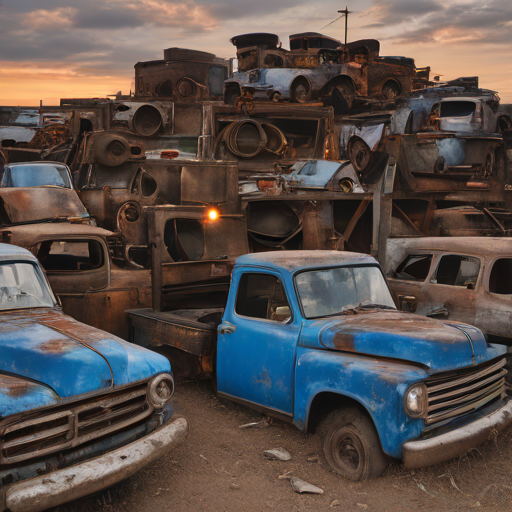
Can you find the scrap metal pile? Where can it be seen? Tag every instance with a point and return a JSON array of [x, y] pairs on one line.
[[323, 146], [138, 206]]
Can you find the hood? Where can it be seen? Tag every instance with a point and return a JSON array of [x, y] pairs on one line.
[[69, 357], [41, 203], [391, 334]]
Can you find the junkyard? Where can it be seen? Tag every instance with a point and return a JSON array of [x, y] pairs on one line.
[[279, 280]]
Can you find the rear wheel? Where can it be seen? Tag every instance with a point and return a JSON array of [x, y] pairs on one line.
[[301, 90], [360, 155], [351, 445], [390, 90]]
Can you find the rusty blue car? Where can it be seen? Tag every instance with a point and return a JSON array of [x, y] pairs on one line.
[[80, 409]]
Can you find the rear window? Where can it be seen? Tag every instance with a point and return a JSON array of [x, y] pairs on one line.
[[74, 256], [455, 270], [457, 108], [500, 278]]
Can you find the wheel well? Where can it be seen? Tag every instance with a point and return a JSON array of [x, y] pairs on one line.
[[395, 81], [300, 78], [326, 402], [338, 80]]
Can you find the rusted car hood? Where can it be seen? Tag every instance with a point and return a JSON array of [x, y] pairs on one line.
[[41, 203], [413, 338], [69, 358]]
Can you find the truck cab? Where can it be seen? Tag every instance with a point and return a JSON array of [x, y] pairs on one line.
[[314, 338], [39, 192]]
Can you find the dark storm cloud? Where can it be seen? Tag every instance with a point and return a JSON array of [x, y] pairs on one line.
[[100, 19], [28, 28], [98, 36], [434, 21], [242, 8]]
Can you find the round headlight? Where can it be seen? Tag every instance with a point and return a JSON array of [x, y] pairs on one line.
[[416, 400], [160, 390]]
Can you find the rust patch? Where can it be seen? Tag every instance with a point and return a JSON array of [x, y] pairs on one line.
[[265, 379], [13, 387], [343, 341], [57, 346]]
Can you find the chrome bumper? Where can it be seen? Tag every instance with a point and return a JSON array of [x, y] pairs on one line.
[[418, 454], [93, 475]]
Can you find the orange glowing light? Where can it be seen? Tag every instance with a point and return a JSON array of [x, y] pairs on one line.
[[213, 214]]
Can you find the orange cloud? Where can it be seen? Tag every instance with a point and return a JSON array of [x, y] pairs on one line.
[[43, 19], [161, 12]]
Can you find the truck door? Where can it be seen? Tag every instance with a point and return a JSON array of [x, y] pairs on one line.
[[257, 342]]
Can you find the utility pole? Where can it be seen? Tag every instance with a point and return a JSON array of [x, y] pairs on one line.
[[345, 12]]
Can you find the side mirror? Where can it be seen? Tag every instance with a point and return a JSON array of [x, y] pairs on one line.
[[407, 303], [439, 312], [282, 314]]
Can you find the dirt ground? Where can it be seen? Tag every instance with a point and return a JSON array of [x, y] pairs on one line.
[[221, 468]]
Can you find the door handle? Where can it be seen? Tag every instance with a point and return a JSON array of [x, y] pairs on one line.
[[226, 328]]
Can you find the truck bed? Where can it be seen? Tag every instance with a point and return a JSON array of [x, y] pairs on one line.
[[190, 330]]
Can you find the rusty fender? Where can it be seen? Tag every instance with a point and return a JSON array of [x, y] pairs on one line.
[[68, 484], [417, 454]]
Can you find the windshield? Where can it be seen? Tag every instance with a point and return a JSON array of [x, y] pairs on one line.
[[331, 291], [22, 286], [36, 175]]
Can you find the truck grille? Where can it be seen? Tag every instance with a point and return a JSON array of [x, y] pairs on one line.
[[457, 395], [72, 425]]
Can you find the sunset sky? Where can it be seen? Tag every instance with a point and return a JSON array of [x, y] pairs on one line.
[[56, 48]]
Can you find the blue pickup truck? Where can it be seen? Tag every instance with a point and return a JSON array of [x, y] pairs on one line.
[[80, 409], [314, 338]]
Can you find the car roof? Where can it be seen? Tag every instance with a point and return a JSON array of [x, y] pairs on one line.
[[292, 261], [57, 228], [13, 252], [38, 162], [461, 244]]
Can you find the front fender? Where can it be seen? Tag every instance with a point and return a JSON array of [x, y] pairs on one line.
[[377, 385], [19, 395]]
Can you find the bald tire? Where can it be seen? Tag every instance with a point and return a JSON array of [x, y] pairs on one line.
[[351, 445]]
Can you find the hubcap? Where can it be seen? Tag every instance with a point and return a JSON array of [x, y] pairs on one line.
[[301, 93]]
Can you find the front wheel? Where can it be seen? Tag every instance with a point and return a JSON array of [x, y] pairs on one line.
[[351, 445]]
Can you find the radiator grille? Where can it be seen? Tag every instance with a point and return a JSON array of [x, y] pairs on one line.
[[457, 395], [73, 425]]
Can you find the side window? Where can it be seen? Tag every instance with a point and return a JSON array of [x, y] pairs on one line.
[[457, 270], [414, 267], [500, 279], [262, 296], [74, 256]]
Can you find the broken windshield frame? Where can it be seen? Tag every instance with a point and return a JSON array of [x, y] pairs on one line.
[[333, 291]]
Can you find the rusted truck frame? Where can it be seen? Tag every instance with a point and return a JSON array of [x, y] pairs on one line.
[[183, 75], [77, 259]]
